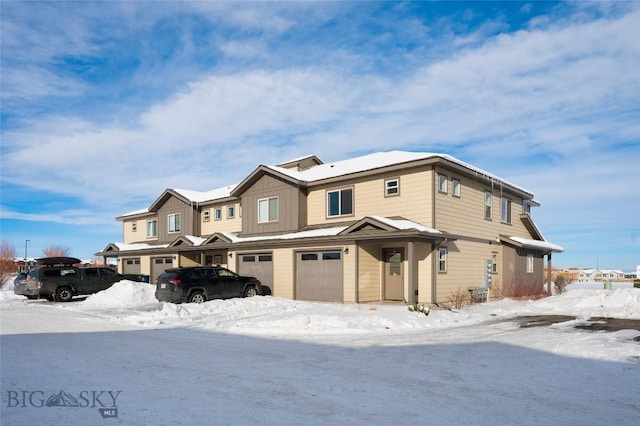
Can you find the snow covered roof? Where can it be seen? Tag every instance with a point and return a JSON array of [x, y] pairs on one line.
[[138, 246], [200, 197], [323, 232], [537, 244], [405, 224], [379, 160]]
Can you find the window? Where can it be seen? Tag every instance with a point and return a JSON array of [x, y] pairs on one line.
[[268, 210], [442, 259], [174, 222], [442, 184], [217, 213], [494, 263], [309, 256], [391, 187], [134, 226], [331, 255], [455, 190], [526, 206], [530, 264], [206, 215], [231, 212], [152, 228], [340, 202], [505, 210], [487, 204]]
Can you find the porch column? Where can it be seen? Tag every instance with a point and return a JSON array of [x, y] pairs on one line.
[[549, 273], [412, 282]]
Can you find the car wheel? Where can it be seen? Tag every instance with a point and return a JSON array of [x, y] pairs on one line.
[[63, 294], [197, 297], [51, 298], [250, 292]]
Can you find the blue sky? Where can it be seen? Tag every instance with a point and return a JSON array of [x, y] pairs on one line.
[[106, 104]]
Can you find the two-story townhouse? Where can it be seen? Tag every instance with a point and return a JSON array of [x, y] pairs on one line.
[[403, 226]]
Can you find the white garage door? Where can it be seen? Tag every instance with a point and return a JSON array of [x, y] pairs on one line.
[[131, 266], [319, 276], [158, 265]]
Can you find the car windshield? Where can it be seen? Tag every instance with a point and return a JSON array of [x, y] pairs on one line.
[[222, 272]]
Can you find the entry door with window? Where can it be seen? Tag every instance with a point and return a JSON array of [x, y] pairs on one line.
[[393, 274]]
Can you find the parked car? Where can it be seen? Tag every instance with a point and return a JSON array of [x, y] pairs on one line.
[[55, 278], [20, 284], [201, 283]]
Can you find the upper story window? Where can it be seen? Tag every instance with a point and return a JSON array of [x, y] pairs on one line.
[[505, 210], [231, 212], [217, 213], [442, 184], [488, 199], [174, 223], [206, 215], [340, 202], [134, 226], [455, 187], [152, 228], [268, 210], [391, 187]]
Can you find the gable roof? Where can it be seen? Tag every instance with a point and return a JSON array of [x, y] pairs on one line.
[[532, 244], [371, 163]]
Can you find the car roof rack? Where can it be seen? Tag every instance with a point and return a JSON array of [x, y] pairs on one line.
[[57, 261]]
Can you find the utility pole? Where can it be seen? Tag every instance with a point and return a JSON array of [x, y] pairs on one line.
[[26, 268]]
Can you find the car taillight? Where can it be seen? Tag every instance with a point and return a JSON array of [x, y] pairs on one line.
[[175, 281], [39, 284]]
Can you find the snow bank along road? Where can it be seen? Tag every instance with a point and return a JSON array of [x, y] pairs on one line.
[[120, 357]]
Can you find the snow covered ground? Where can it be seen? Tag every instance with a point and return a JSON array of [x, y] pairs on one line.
[[121, 357]]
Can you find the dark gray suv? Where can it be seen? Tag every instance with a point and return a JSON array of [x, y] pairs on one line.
[[201, 283]]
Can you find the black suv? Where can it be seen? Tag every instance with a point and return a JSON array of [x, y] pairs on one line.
[[55, 278], [201, 283]]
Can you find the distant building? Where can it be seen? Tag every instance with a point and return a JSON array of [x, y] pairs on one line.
[[601, 275]]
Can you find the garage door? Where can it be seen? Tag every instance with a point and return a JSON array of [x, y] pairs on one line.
[[158, 265], [131, 266], [259, 265], [319, 276]]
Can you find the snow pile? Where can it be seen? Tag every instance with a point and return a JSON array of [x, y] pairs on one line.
[[619, 303], [123, 294]]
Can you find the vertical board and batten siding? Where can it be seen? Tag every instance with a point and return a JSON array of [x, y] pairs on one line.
[[222, 225], [413, 203], [516, 278], [369, 273], [187, 217], [290, 198]]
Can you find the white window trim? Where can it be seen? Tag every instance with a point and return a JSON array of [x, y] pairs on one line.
[[458, 193], [505, 210], [268, 199], [155, 235], [233, 210], [443, 259], [443, 183], [217, 213], [206, 215], [488, 204], [176, 229], [530, 264], [134, 226]]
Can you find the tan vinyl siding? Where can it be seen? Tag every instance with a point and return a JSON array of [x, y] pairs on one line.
[[283, 273], [223, 225], [425, 268], [413, 202], [465, 267], [369, 278], [465, 215], [349, 279]]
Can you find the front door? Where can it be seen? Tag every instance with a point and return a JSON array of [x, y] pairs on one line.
[[393, 274]]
